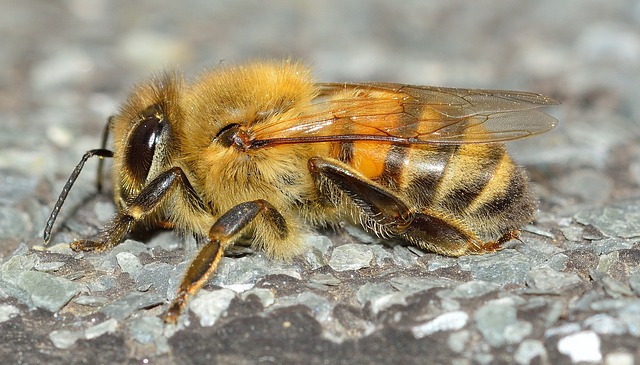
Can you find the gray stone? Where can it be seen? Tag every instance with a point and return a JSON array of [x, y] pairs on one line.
[[614, 221], [361, 235], [634, 283], [18, 263], [266, 296], [49, 266], [7, 311], [381, 254], [371, 291], [383, 302], [319, 306], [528, 350], [471, 289], [48, 291], [498, 323], [572, 233], [565, 329], [557, 262], [146, 329], [413, 284], [402, 256], [629, 314], [325, 279], [104, 210], [314, 258], [619, 358], [503, 267], [65, 339], [129, 263], [458, 341], [210, 305], [108, 326], [15, 186], [549, 280], [540, 232], [248, 269], [13, 290], [91, 301], [439, 262], [157, 275], [107, 262], [102, 283], [615, 288], [130, 303], [350, 257], [321, 243], [587, 184], [605, 324]]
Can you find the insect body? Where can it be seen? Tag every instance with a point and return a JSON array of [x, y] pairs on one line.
[[261, 149]]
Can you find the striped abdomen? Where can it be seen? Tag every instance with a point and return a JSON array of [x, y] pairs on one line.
[[476, 183]]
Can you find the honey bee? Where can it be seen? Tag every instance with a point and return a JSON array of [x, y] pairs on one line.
[[260, 149]]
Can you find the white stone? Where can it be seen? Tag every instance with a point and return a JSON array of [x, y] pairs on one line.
[[450, 321], [581, 347]]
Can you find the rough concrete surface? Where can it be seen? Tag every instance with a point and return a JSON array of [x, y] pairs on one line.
[[568, 293]]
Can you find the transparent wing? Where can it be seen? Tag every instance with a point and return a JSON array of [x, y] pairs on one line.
[[412, 115]]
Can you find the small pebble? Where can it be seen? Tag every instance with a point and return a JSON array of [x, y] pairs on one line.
[[65, 339], [209, 306], [528, 350], [549, 280], [351, 257], [498, 323], [108, 326], [48, 291], [605, 324], [129, 263], [581, 347], [8, 311], [451, 321], [146, 329]]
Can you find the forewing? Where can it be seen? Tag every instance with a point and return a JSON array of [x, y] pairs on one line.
[[412, 115]]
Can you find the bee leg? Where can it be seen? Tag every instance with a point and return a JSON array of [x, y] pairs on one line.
[[144, 204], [223, 231], [386, 214], [492, 246]]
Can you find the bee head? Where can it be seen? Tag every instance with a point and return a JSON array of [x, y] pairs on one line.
[[143, 136]]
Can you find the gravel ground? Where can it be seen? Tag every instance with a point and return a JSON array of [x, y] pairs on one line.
[[568, 293]]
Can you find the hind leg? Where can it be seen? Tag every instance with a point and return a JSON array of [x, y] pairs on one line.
[[385, 213]]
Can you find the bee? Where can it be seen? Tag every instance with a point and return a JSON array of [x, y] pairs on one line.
[[261, 150]]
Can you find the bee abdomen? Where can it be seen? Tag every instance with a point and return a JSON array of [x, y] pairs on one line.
[[478, 184]]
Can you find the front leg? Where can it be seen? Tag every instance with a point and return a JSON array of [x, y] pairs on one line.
[[152, 196], [221, 234]]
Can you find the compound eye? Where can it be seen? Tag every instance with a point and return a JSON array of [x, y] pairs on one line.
[[142, 142]]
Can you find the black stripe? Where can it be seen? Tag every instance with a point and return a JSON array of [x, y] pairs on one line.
[[463, 195], [429, 169], [393, 167], [509, 198]]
